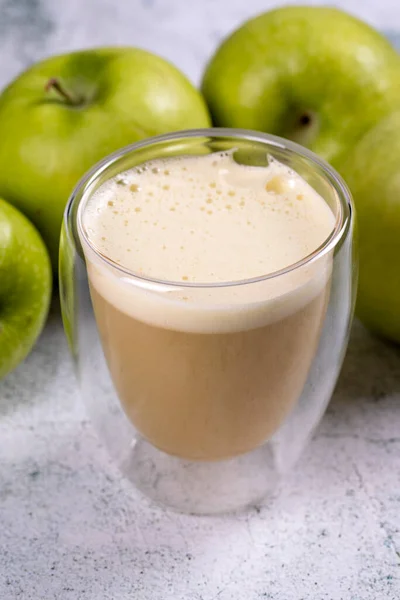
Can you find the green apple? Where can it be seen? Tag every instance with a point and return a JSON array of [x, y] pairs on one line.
[[372, 170], [64, 114], [25, 286], [312, 74]]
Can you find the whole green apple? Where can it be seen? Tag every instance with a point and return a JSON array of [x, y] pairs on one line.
[[372, 170], [25, 288], [315, 75], [64, 114]]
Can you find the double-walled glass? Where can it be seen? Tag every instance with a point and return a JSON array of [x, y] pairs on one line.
[[206, 394]]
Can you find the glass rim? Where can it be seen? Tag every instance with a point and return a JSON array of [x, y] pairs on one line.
[[343, 194]]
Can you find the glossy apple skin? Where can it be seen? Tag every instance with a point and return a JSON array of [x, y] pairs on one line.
[[312, 74], [372, 170], [119, 96], [25, 286]]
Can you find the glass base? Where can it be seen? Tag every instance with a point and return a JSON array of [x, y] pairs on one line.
[[201, 487]]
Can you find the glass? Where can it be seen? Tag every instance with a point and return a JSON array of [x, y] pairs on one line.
[[220, 436]]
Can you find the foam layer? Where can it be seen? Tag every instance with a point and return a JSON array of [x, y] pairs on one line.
[[207, 220]]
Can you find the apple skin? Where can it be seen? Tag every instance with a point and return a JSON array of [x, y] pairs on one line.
[[312, 74], [119, 96], [25, 292], [372, 171]]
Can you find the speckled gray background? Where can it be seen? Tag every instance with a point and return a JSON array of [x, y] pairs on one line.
[[71, 528]]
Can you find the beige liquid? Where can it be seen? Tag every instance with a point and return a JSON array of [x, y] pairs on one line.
[[208, 372]]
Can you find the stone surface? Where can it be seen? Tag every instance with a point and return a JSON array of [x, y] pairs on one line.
[[72, 528]]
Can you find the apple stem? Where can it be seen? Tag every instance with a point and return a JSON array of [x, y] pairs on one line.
[[305, 119], [55, 84]]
